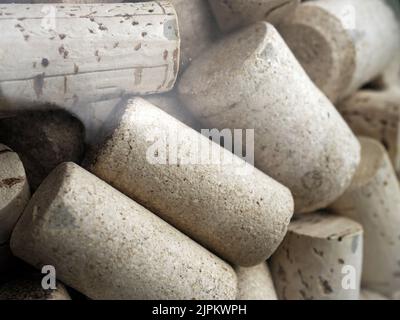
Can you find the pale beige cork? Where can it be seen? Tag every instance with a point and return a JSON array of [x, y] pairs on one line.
[[251, 80], [376, 114], [312, 261], [230, 207], [373, 199], [71, 55], [344, 44], [107, 246], [255, 283]]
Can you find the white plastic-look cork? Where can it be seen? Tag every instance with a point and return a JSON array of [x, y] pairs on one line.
[[251, 80], [343, 44], [107, 246], [255, 283], [373, 199], [74, 54], [233, 14], [320, 259], [376, 114], [202, 189]]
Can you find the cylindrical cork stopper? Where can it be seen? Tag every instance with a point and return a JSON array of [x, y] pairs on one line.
[[14, 191], [255, 283], [107, 246], [227, 205], [376, 114], [318, 253], [31, 289], [74, 54], [251, 80], [340, 43], [373, 200], [233, 14]]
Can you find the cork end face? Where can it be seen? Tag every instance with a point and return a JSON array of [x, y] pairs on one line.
[[373, 154], [225, 61], [323, 47], [324, 226]]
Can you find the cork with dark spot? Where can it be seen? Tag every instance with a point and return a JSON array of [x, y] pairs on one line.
[[87, 53], [197, 28], [373, 199], [376, 114], [251, 80], [43, 140], [14, 191], [107, 246], [311, 262], [230, 207], [30, 288], [340, 44], [255, 283]]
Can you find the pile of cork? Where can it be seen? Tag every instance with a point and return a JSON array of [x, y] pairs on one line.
[[102, 107]]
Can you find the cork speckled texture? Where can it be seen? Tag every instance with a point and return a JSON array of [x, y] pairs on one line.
[[373, 200], [241, 217], [106, 246], [309, 263], [340, 43], [251, 80]]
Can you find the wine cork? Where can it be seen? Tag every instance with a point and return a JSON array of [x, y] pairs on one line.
[[229, 207], [106, 246], [373, 199], [30, 288], [74, 54], [366, 294], [376, 114], [255, 283], [14, 191], [251, 80], [197, 27], [233, 14], [43, 140], [343, 44], [318, 253]]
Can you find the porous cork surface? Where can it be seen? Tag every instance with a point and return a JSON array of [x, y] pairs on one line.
[[255, 283], [309, 263], [240, 217], [373, 200], [106, 246], [251, 80]]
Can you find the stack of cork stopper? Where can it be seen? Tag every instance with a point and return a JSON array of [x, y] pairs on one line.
[[105, 167]]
